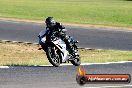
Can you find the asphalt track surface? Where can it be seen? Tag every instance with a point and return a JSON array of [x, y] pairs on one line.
[[58, 77], [98, 38]]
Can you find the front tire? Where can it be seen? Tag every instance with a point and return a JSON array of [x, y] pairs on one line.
[[53, 56]]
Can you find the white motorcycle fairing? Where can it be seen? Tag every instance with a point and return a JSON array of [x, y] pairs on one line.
[[62, 47]]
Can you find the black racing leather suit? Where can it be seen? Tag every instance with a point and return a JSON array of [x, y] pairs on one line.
[[58, 29]]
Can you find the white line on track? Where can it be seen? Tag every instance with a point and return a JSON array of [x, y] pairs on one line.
[[4, 66], [107, 63], [101, 63], [71, 64]]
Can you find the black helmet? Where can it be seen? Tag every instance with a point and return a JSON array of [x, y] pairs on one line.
[[50, 22]]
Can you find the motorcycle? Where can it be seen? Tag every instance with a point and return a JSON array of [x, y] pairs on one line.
[[56, 50]]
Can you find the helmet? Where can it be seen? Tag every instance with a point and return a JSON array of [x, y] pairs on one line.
[[50, 22]]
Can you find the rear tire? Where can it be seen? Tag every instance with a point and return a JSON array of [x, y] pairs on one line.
[[53, 56], [76, 60]]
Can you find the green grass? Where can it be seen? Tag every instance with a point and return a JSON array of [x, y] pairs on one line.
[[101, 12], [13, 54]]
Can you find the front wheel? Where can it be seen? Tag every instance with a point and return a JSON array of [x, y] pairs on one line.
[[53, 56], [76, 60]]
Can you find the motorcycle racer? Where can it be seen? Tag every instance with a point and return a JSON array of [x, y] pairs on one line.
[[53, 27]]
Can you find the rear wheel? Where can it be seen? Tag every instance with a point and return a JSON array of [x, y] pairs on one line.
[[76, 58], [53, 56], [76, 61]]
